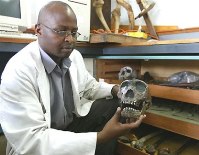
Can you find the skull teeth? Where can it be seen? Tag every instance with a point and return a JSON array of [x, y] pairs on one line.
[[129, 109], [129, 102], [130, 112]]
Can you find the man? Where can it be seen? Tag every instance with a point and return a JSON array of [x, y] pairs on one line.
[[47, 95]]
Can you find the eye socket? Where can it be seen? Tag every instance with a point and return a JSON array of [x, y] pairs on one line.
[[125, 83], [128, 71], [140, 86]]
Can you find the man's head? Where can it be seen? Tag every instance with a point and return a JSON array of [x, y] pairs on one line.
[[57, 29]]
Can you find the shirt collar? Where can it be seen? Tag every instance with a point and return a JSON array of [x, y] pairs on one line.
[[49, 63], [66, 63]]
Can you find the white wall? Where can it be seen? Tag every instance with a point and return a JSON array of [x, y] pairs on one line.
[[89, 62], [34, 6], [80, 7], [181, 13]]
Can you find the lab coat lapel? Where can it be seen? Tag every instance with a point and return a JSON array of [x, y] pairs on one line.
[[43, 82], [44, 89], [73, 77], [74, 83]]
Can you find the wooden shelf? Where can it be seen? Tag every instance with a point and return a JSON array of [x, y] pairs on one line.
[[174, 93], [171, 123], [114, 38], [108, 70], [132, 41], [172, 142], [174, 125], [16, 40], [123, 149], [167, 122]]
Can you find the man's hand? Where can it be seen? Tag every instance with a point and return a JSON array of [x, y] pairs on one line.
[[115, 90], [114, 128]]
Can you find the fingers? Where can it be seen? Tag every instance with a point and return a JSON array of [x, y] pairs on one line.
[[118, 109], [130, 120], [138, 121], [135, 123], [117, 114], [130, 123]]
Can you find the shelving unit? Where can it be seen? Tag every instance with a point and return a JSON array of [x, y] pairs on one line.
[[166, 122], [174, 124], [138, 56]]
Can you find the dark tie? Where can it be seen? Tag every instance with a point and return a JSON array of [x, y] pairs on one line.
[[68, 96]]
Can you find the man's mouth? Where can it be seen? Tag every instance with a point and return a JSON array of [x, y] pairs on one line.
[[67, 47]]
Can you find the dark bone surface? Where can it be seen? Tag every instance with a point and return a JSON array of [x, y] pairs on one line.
[[133, 94], [134, 98]]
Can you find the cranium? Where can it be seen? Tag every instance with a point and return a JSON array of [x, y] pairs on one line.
[[134, 97], [127, 73]]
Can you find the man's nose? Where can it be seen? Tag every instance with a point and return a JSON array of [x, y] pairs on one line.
[[69, 38]]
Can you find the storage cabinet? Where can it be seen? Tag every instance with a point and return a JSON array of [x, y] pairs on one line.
[[108, 70], [183, 126]]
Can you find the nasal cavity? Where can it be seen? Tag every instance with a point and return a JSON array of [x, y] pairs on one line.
[[130, 94]]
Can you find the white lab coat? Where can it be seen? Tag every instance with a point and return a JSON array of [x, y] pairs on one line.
[[25, 106]]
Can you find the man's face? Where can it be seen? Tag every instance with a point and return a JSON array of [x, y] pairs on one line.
[[52, 36]]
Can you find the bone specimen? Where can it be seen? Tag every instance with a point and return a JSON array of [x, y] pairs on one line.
[[183, 77], [187, 112], [98, 4], [152, 147], [129, 139], [164, 151], [147, 5], [127, 73], [116, 13], [133, 94], [140, 143], [187, 143]]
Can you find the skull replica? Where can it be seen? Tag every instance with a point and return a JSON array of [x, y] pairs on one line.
[[127, 73], [134, 97]]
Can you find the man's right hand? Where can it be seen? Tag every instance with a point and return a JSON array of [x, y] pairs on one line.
[[114, 128]]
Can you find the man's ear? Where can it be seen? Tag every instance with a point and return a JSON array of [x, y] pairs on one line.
[[37, 29]]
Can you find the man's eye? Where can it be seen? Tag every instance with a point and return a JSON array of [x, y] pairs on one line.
[[74, 34], [62, 32], [59, 30]]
